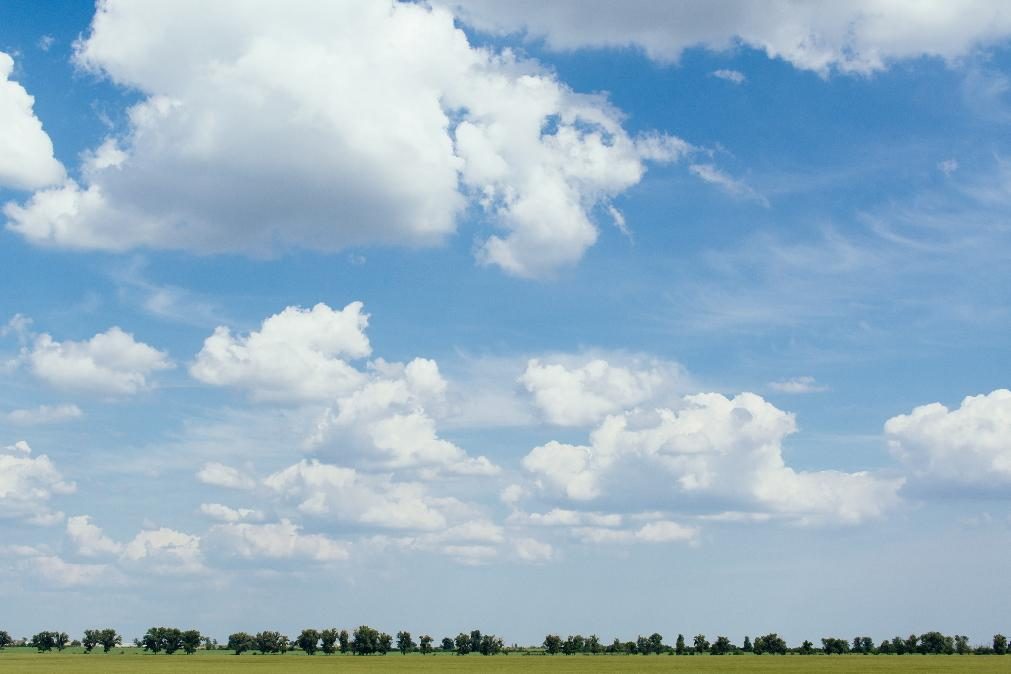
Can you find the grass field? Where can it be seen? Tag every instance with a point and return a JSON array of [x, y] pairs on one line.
[[23, 660]]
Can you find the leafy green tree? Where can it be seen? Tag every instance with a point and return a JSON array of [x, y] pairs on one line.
[[308, 641], [936, 643], [700, 644], [191, 641], [283, 644], [655, 643], [5, 640], [806, 648], [462, 642], [911, 644], [593, 644], [962, 644], [552, 644], [475, 641], [491, 645], [642, 645], [404, 642], [886, 647], [110, 639], [679, 645], [44, 641], [1000, 644], [385, 643], [365, 640], [345, 641], [747, 645], [447, 644], [834, 646], [721, 646], [269, 641], [90, 640], [425, 644], [770, 643], [240, 642], [327, 640], [60, 640]]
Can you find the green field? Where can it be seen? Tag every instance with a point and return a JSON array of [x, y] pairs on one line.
[[23, 660]]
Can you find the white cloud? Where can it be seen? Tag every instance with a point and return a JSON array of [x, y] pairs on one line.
[[111, 362], [44, 414], [166, 551], [60, 573], [663, 531], [28, 484], [714, 176], [560, 517], [298, 354], [860, 36], [969, 446], [797, 385], [573, 393], [89, 539], [735, 76], [711, 448], [279, 126], [223, 513], [220, 475], [533, 551], [948, 166], [281, 540], [26, 152], [335, 491]]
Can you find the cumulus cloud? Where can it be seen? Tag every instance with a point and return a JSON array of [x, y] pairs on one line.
[[26, 152], [223, 513], [968, 446], [533, 551], [571, 393], [298, 354], [89, 539], [286, 128], [220, 475], [327, 490], [28, 484], [856, 37], [711, 448], [165, 551], [111, 362], [797, 385], [281, 540], [44, 414], [663, 531]]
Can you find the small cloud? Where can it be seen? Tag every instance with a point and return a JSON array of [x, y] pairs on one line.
[[45, 42], [797, 385], [356, 259], [619, 221], [735, 76], [948, 166], [714, 176], [44, 414]]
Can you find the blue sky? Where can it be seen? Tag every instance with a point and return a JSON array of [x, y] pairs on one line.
[[527, 318]]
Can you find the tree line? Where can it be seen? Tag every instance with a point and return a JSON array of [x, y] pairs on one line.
[[366, 640]]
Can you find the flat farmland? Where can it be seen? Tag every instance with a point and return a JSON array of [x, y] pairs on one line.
[[129, 661]]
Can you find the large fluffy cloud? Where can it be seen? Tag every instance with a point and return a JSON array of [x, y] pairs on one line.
[[970, 445], [26, 153], [323, 127], [712, 449], [857, 36], [281, 540], [111, 362], [297, 354], [570, 393], [28, 484]]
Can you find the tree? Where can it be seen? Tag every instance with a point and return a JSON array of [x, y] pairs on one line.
[[447, 644], [191, 641], [834, 646], [462, 642], [679, 645], [552, 644], [425, 644], [1000, 644], [240, 642], [404, 642], [721, 646], [475, 641], [5, 640], [770, 643], [747, 645], [44, 641], [910, 644], [936, 643], [308, 640], [327, 640], [806, 648], [345, 641], [365, 641], [491, 645], [385, 643], [269, 641], [962, 644], [656, 643], [60, 640], [700, 643], [90, 640]]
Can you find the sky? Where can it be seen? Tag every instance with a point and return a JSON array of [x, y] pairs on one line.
[[572, 317]]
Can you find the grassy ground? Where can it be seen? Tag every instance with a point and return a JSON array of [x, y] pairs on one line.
[[23, 660]]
